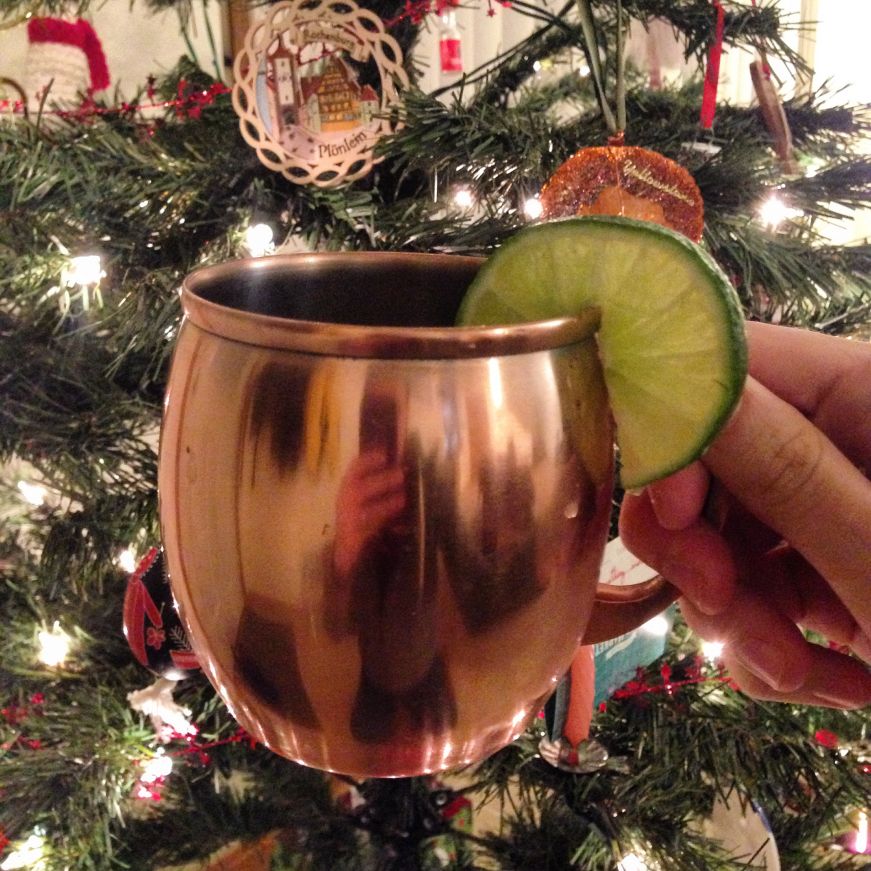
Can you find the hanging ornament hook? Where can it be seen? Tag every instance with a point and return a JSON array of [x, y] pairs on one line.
[[615, 118]]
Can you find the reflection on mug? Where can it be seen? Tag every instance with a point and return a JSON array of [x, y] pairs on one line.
[[266, 658], [492, 565], [277, 415], [379, 545]]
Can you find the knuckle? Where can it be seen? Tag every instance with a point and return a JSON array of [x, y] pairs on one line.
[[791, 474]]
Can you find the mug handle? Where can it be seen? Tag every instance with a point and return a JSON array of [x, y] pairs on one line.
[[620, 609]]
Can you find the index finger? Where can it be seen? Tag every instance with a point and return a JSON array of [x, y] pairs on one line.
[[787, 473]]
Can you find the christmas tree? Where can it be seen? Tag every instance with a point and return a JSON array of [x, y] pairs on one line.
[[107, 204]]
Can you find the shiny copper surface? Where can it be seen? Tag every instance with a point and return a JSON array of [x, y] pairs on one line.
[[383, 533]]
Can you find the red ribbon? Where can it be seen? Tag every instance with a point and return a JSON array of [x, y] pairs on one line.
[[712, 73]]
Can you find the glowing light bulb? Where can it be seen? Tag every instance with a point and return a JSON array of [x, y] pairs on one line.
[[157, 768], [774, 211], [259, 240], [657, 625], [632, 862], [533, 208], [79, 279], [54, 646], [127, 560], [32, 493], [84, 271], [861, 844], [463, 198], [712, 650], [28, 854], [813, 166]]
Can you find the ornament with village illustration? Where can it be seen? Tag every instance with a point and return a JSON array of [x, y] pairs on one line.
[[314, 83]]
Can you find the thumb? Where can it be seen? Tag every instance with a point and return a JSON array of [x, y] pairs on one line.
[[788, 474]]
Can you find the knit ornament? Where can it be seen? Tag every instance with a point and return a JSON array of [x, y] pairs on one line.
[[65, 62]]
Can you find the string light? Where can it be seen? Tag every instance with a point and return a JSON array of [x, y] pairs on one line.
[[33, 494], [29, 854], [657, 625], [127, 560], [712, 650], [861, 845], [80, 279], [774, 211], [259, 240], [84, 270], [463, 198], [158, 767], [632, 862], [54, 646], [533, 208], [155, 772]]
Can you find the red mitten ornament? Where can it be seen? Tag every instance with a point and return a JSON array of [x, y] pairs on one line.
[[626, 180]]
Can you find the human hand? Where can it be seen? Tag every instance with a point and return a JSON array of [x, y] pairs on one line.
[[371, 498], [784, 542]]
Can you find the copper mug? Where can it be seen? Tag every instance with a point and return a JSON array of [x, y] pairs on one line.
[[384, 532]]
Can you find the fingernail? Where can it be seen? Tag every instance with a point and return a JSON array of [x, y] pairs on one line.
[[693, 583], [766, 661]]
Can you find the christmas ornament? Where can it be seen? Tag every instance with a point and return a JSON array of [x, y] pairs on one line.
[[416, 823], [583, 758], [619, 179], [773, 116], [597, 671], [260, 854], [617, 660], [741, 828], [65, 62], [151, 623], [446, 850], [712, 70], [307, 87], [450, 44], [167, 717]]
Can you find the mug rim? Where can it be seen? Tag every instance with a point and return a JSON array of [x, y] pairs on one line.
[[353, 340]]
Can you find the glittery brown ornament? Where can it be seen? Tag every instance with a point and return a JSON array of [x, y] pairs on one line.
[[625, 180]]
